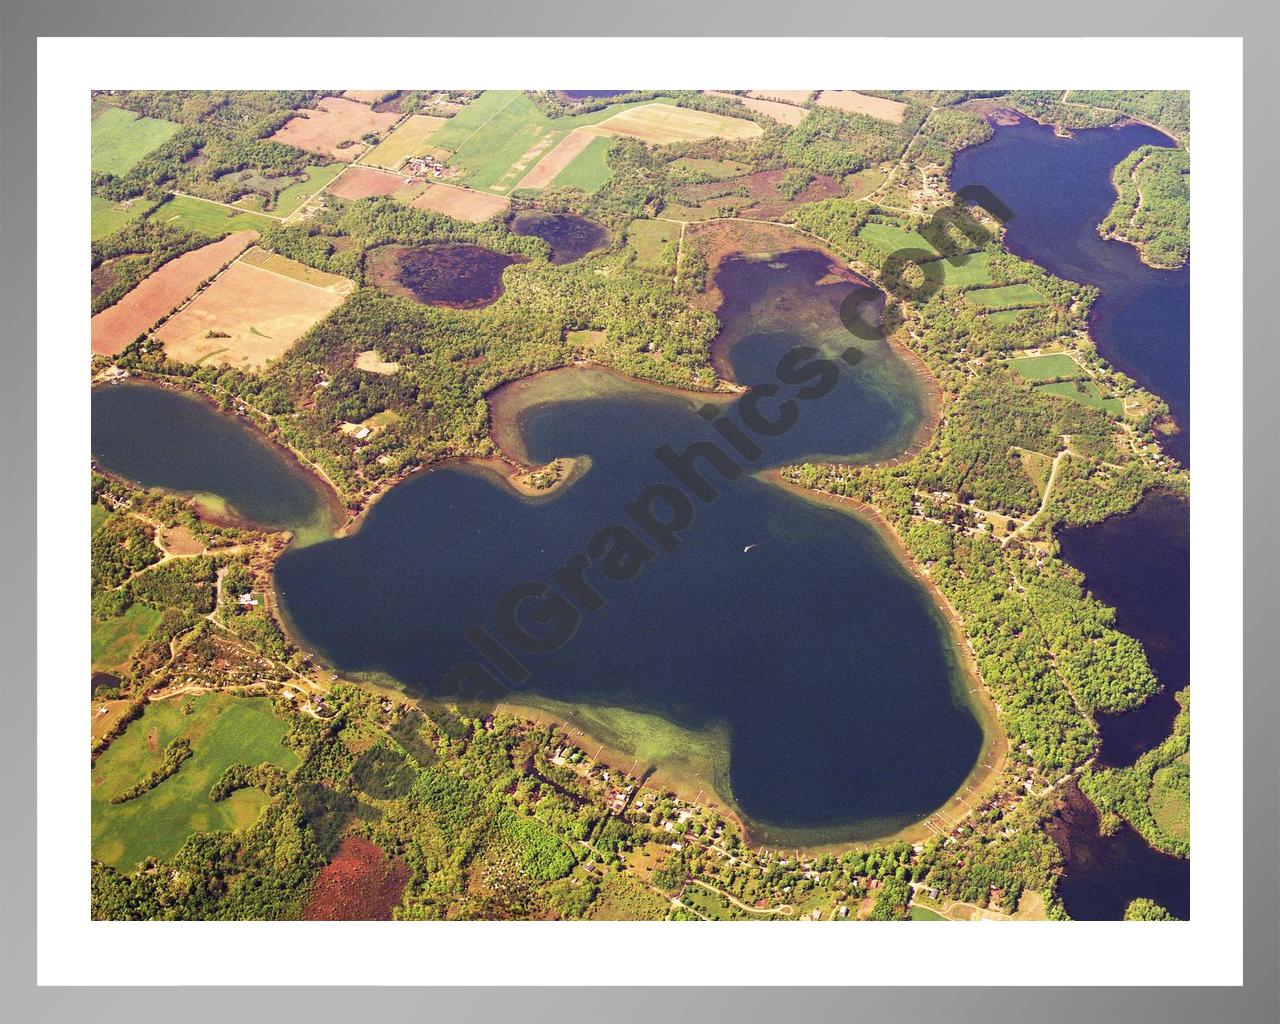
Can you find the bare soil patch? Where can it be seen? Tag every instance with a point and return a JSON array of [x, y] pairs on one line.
[[369, 96], [362, 182], [117, 326], [360, 884], [179, 540], [461, 203], [371, 362], [248, 316], [859, 103], [334, 128]]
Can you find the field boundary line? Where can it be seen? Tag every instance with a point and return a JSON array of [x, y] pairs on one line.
[[297, 280], [228, 206]]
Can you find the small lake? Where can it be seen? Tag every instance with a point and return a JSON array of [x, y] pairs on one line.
[[1140, 564], [1059, 190], [809, 674], [160, 437], [456, 275], [570, 237], [1103, 874]]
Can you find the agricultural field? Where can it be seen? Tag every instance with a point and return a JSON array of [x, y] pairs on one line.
[[408, 139], [565, 152], [797, 96], [361, 182], [315, 178], [784, 113], [891, 238], [222, 731], [1048, 367], [589, 169], [369, 96], [659, 124], [858, 103], [974, 270], [1009, 296], [113, 641], [106, 216], [209, 218], [461, 203], [253, 312], [117, 326], [1086, 393], [120, 138], [334, 128]]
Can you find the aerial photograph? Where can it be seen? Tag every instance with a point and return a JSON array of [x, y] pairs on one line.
[[640, 505]]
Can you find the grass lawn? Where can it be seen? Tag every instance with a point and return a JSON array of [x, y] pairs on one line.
[[891, 238], [106, 216], [315, 178], [649, 237], [863, 182], [208, 218], [1046, 367], [1086, 393], [972, 271], [589, 169], [925, 914], [222, 730], [1004, 316], [113, 642], [98, 514], [120, 138], [1008, 296]]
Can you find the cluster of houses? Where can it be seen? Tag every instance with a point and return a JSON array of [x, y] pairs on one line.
[[425, 167]]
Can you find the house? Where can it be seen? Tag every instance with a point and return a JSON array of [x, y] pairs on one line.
[[247, 601]]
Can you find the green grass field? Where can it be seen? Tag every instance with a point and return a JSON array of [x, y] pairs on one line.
[[1170, 800], [208, 218], [1004, 316], [113, 642], [1046, 367], [98, 514], [499, 136], [925, 914], [891, 238], [120, 138], [414, 137], [973, 270], [315, 178], [589, 169], [222, 730], [648, 238], [1009, 296], [106, 217], [1086, 393]]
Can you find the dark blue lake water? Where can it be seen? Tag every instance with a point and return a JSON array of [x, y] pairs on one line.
[[1059, 191]]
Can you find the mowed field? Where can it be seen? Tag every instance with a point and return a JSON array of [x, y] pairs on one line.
[[660, 124], [590, 169], [222, 730], [254, 312], [460, 203], [1046, 367], [361, 182], [1009, 296], [546, 170], [114, 328], [209, 218], [120, 138], [784, 113], [334, 121], [858, 103], [106, 216], [412, 138]]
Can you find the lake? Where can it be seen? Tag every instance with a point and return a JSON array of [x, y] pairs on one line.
[[570, 237], [1059, 190], [160, 437], [781, 646]]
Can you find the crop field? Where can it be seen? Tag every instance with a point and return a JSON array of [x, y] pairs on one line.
[[408, 139], [564, 153], [857, 103], [209, 218], [113, 641], [120, 138], [659, 124], [369, 96], [461, 203], [1050, 367], [1086, 393], [1009, 296], [252, 313], [334, 128], [222, 731], [115, 327], [783, 113], [106, 217], [590, 169], [361, 182], [973, 270]]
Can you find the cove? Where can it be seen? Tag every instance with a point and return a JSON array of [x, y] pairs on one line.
[[1139, 563], [159, 437], [1059, 190], [802, 669]]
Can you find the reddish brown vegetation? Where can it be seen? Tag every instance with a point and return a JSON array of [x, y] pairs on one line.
[[359, 884]]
